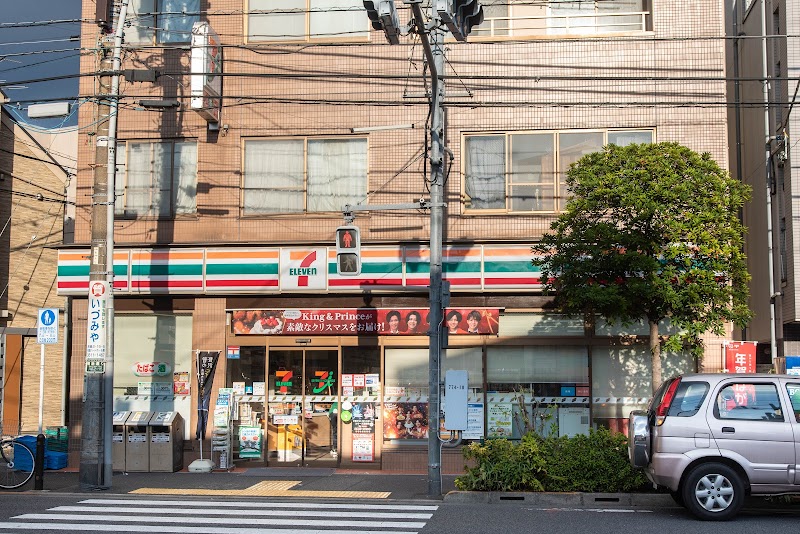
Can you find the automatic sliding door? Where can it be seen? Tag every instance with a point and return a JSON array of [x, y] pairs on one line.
[[321, 408]]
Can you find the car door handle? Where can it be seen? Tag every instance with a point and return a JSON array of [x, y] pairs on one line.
[[728, 430]]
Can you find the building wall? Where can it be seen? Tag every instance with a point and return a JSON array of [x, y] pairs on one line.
[[495, 86], [32, 194]]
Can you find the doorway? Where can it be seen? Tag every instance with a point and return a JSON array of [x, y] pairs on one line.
[[303, 408]]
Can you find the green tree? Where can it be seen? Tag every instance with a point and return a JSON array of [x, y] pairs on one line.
[[651, 232]]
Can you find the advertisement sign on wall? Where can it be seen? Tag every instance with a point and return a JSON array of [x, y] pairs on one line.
[[362, 321]]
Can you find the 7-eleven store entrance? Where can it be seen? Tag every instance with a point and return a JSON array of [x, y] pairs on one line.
[[314, 406]]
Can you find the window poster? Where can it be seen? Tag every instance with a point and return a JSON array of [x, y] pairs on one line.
[[499, 419], [363, 428], [180, 383], [405, 420], [249, 442]]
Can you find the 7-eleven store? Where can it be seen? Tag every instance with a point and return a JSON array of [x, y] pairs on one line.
[[315, 374]]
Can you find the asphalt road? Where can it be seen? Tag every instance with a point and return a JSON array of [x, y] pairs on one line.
[[101, 512]]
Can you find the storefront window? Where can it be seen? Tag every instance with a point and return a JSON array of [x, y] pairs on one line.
[[405, 401], [543, 389], [153, 364], [621, 381], [361, 389], [247, 377]]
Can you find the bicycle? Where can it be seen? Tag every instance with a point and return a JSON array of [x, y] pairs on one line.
[[17, 461]]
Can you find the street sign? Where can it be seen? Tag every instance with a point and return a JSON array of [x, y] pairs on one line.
[[47, 328]]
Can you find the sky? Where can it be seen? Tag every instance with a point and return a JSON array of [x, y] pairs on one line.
[[41, 51]]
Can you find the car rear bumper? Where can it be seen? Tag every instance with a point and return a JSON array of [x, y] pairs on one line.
[[669, 468]]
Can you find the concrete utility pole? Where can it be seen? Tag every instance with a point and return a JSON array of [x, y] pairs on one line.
[[96, 462], [434, 53]]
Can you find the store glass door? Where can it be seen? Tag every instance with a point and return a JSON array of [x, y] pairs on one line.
[[302, 427]]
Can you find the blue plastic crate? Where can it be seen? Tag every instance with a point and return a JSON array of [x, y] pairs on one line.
[[22, 460], [55, 460]]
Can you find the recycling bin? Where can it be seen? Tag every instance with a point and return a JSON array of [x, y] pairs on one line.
[[137, 442], [166, 442], [118, 440]]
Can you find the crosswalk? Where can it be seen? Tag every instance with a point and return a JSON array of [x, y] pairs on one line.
[[225, 517]]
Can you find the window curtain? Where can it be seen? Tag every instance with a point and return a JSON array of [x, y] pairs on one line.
[[185, 178], [630, 137], [138, 180], [142, 22], [337, 173], [337, 18], [485, 183], [162, 180], [289, 25], [176, 26], [273, 176]]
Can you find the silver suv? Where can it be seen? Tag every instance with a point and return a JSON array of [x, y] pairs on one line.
[[712, 439]]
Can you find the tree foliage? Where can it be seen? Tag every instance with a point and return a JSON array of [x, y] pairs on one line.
[[651, 231]]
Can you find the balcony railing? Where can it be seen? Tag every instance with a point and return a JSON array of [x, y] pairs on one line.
[[591, 24]]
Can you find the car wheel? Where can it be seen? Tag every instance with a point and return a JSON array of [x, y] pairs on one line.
[[713, 492], [677, 496]]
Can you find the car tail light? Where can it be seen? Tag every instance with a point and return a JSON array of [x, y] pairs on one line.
[[666, 400]]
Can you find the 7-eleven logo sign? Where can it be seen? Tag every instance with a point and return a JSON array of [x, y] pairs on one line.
[[304, 268]]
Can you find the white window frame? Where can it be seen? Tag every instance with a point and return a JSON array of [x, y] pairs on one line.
[[355, 12], [176, 208], [558, 183], [147, 16], [247, 210]]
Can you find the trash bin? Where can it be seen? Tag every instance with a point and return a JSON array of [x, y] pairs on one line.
[[137, 442], [166, 442], [118, 441]]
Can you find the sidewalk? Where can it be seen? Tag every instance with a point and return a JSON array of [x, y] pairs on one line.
[[258, 482]]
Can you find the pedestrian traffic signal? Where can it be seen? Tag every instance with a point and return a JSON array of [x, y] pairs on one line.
[[460, 16], [348, 251], [383, 15]]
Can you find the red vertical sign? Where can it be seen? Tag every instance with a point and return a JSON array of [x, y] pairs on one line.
[[740, 356]]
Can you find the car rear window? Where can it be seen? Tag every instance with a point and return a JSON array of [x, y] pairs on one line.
[[688, 398]]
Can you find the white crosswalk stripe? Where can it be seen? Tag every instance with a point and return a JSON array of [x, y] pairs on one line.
[[225, 517]]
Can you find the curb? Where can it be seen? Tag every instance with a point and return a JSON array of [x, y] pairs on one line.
[[577, 500]]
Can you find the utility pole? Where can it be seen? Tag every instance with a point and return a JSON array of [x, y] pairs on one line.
[[434, 52], [96, 462], [459, 17]]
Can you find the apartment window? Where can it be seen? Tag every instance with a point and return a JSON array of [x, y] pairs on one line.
[[559, 17], [156, 179], [303, 175], [161, 21], [302, 20], [525, 172]]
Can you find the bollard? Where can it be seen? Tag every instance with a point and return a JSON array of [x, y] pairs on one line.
[[38, 470]]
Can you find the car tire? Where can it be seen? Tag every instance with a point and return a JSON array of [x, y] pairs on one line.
[[677, 496], [713, 492]]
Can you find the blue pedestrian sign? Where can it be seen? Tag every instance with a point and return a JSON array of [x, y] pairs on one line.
[[47, 328]]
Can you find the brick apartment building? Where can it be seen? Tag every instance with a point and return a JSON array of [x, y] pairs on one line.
[[35, 172], [225, 236]]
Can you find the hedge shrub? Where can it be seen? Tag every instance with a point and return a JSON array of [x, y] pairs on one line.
[[597, 462]]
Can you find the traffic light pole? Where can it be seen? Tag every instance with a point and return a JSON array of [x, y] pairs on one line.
[[434, 52]]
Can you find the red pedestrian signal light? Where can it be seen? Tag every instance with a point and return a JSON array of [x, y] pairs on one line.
[[348, 251]]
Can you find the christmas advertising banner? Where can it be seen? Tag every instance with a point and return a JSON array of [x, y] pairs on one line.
[[362, 321]]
